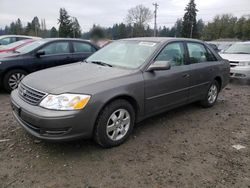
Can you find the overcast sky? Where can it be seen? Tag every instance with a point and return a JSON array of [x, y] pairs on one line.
[[108, 12]]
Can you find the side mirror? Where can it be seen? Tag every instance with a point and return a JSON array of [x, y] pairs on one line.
[[159, 65], [40, 53]]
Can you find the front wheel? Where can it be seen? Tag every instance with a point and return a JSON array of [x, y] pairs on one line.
[[12, 79], [114, 124], [212, 95]]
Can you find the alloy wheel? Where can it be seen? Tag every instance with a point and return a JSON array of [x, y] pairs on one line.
[[118, 124], [15, 79], [212, 93]]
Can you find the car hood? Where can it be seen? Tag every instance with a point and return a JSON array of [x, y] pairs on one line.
[[236, 57], [77, 77]]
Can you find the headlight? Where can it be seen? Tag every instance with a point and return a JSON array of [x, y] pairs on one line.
[[244, 63], [65, 102]]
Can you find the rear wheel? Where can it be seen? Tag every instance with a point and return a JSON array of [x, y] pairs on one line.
[[212, 95], [12, 79], [114, 124]]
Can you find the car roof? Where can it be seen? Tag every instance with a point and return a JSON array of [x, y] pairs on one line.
[[161, 39], [63, 39], [246, 42], [3, 36]]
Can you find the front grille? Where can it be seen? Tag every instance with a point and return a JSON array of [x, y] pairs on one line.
[[233, 63], [30, 95]]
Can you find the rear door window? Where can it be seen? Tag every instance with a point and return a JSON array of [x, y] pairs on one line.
[[198, 53], [83, 47]]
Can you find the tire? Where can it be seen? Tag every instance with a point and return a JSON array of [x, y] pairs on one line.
[[114, 124], [212, 95], [12, 79]]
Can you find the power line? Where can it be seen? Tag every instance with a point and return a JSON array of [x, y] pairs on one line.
[[155, 12]]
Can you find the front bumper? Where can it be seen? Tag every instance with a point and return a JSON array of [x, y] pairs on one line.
[[240, 72], [53, 125]]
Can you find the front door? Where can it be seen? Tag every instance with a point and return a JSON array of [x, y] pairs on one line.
[[56, 53], [166, 89]]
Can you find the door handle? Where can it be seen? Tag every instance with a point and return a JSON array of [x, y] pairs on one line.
[[185, 75]]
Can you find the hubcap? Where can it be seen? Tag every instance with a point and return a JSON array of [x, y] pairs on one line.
[[212, 94], [118, 124], [15, 79]]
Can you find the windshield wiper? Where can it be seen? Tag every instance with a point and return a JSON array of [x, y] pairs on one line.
[[242, 53], [101, 63]]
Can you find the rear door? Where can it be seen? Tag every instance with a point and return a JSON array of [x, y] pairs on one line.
[[56, 53], [167, 88], [202, 65], [82, 50]]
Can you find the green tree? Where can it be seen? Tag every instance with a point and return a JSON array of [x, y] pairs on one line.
[[189, 28], [246, 29], [53, 32], [122, 31], [35, 25], [96, 33], [19, 27], [75, 28], [12, 28], [65, 25], [222, 26], [178, 28], [200, 28], [164, 32]]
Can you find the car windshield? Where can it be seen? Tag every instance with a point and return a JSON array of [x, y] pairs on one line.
[[125, 54], [239, 48], [31, 46]]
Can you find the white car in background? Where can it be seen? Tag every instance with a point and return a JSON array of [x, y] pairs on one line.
[[239, 57], [8, 39]]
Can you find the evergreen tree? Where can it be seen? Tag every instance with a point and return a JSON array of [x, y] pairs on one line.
[[164, 32], [12, 28], [75, 28], [19, 27], [189, 28], [178, 28], [65, 24], [200, 28], [35, 25], [96, 33], [53, 32]]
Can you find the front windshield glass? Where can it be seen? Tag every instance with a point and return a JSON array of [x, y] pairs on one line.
[[126, 54], [29, 47], [239, 48]]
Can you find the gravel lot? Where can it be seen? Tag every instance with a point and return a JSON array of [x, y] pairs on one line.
[[187, 147]]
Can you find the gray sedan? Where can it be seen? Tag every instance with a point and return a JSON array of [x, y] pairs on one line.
[[121, 84]]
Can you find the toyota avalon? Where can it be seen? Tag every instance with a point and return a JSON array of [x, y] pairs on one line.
[[121, 84]]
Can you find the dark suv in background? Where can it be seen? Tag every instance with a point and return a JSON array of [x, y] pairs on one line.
[[41, 54]]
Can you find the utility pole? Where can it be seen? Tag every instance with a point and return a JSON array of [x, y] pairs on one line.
[[155, 12]]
